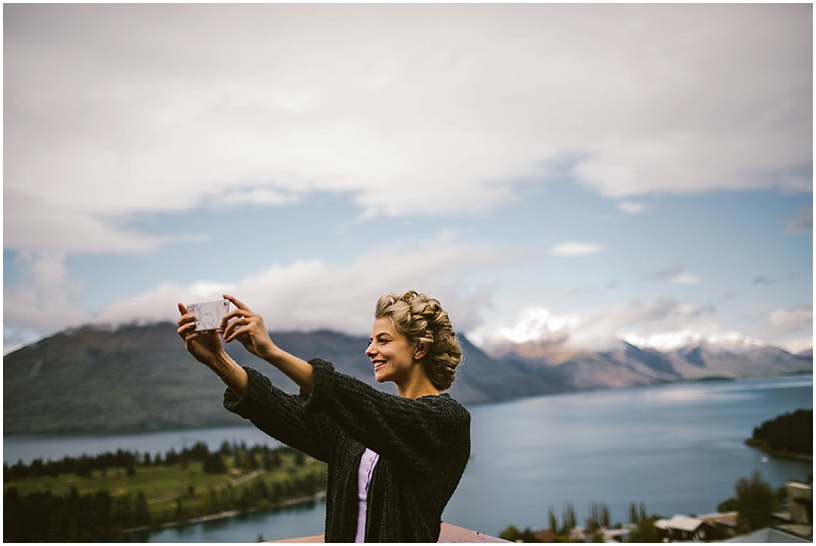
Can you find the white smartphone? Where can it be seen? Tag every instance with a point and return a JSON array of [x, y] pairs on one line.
[[208, 314]]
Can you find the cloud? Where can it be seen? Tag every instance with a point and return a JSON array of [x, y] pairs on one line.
[[539, 324], [575, 248], [34, 223], [684, 277], [632, 207], [309, 295], [602, 329], [676, 275], [303, 295], [45, 298], [113, 110], [791, 328], [791, 320], [258, 196], [645, 318]]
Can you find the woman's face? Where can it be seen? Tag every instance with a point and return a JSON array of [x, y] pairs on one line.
[[394, 358]]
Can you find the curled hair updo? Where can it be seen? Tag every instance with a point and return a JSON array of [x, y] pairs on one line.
[[422, 320]]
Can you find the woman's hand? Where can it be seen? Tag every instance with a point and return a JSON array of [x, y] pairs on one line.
[[205, 346], [248, 328]]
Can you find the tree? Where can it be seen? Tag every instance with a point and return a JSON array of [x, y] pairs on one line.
[[644, 531], [643, 525], [142, 511], [214, 464], [754, 503], [553, 520], [788, 433], [513, 534], [123, 511], [728, 505], [633, 513], [568, 520], [598, 517]]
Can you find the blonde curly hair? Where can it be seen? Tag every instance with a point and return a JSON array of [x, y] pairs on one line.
[[422, 320]]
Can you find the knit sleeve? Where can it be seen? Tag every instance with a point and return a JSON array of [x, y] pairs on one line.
[[281, 415], [395, 427]]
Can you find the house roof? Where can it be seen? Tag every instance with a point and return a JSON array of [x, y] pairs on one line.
[[728, 519], [768, 535], [679, 521]]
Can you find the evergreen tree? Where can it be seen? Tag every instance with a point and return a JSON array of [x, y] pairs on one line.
[[633, 513], [123, 511], [214, 464], [553, 521], [141, 510], [788, 433], [513, 534], [754, 503], [599, 517], [568, 520], [644, 531]]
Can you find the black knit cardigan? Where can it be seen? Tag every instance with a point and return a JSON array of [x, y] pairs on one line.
[[423, 444]]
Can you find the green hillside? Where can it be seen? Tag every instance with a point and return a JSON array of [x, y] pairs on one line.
[[95, 380], [136, 378]]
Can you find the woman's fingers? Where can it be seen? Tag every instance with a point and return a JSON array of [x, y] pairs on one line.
[[186, 318], [231, 321], [187, 327], [237, 318], [236, 302], [242, 324]]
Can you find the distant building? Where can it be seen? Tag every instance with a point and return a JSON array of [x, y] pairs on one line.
[[798, 518], [800, 503], [682, 528], [616, 535], [768, 535], [724, 522], [544, 535], [794, 524]]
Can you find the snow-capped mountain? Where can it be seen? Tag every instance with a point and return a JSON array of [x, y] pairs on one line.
[[624, 363]]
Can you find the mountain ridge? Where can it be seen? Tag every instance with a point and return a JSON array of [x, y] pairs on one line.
[[95, 379]]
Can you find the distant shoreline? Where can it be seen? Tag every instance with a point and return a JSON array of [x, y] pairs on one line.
[[137, 430], [779, 454], [227, 514]]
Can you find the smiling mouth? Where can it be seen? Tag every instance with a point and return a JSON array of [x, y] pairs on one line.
[[378, 364]]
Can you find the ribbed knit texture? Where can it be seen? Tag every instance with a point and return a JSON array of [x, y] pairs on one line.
[[424, 446]]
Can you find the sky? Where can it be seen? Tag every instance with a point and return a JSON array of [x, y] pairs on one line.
[[580, 173]]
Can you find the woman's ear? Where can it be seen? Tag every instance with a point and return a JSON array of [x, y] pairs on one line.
[[420, 351]]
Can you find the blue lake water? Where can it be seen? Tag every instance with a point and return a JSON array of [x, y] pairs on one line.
[[676, 448]]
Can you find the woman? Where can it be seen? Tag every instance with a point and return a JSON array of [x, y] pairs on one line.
[[393, 461]]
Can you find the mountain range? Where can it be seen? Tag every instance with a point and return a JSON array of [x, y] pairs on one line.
[[94, 379]]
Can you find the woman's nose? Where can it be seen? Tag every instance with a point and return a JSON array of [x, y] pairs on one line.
[[370, 351]]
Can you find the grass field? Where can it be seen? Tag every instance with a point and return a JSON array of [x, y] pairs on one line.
[[181, 491]]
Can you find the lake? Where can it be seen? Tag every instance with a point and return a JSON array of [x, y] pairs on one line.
[[675, 448]]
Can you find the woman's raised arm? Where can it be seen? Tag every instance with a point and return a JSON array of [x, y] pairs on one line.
[[207, 348], [248, 328]]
